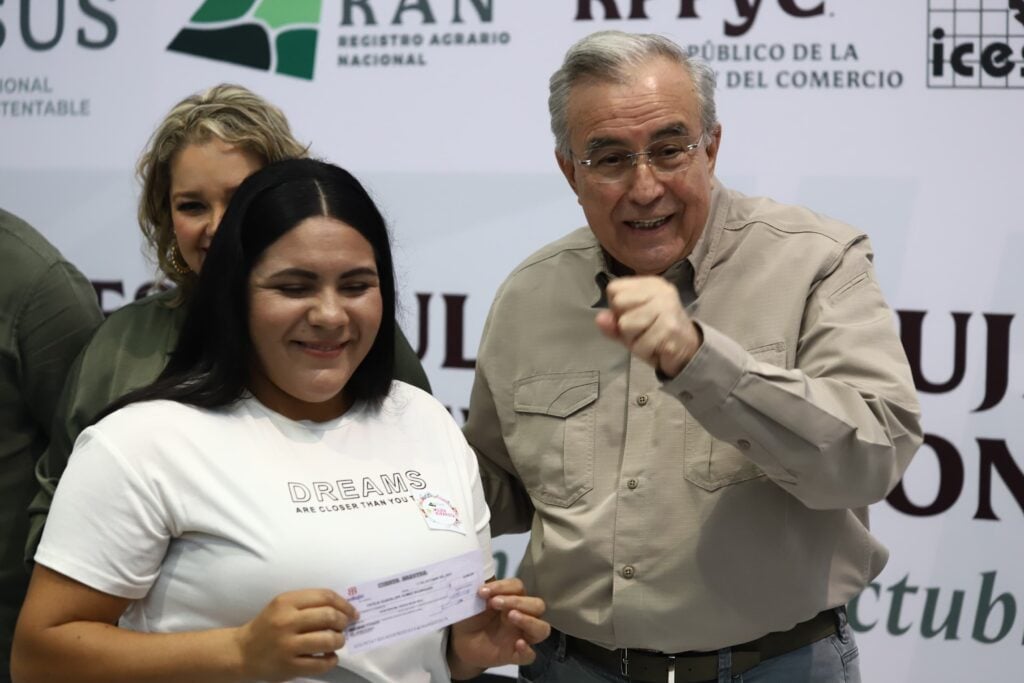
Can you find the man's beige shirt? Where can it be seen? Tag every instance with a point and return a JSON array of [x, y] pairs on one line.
[[723, 504]]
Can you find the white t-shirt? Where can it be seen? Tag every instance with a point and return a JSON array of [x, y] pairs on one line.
[[202, 516]]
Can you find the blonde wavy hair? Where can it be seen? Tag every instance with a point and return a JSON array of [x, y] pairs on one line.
[[228, 112]]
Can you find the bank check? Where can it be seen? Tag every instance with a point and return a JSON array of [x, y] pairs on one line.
[[421, 599]]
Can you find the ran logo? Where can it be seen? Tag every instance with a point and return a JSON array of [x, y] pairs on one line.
[[271, 35]]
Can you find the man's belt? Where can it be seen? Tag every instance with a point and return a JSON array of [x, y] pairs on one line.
[[645, 666]]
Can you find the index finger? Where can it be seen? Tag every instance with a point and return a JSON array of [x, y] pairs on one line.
[[323, 597], [511, 586], [631, 291]]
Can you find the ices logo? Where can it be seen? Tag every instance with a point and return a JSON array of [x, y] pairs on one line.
[[272, 35], [976, 45]]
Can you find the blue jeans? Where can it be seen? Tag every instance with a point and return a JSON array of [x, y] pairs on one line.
[[830, 660]]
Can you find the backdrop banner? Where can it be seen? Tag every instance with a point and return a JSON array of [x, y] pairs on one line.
[[901, 118]]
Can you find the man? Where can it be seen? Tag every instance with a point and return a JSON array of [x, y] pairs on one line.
[[695, 478], [47, 312]]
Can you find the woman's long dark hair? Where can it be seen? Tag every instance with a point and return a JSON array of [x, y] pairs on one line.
[[210, 365]]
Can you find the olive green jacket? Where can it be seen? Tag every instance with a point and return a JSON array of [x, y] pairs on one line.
[[47, 311]]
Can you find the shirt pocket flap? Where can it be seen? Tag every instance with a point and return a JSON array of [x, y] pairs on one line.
[[558, 394], [773, 354]]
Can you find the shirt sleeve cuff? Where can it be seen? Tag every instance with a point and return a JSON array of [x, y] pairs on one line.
[[711, 375]]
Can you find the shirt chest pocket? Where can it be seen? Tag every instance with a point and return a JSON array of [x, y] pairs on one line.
[[552, 437], [711, 463]]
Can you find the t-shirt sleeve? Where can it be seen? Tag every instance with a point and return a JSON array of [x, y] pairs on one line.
[[108, 527]]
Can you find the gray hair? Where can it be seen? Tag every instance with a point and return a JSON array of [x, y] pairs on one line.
[[608, 56]]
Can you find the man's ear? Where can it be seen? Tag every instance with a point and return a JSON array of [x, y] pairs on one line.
[[711, 149], [568, 170]]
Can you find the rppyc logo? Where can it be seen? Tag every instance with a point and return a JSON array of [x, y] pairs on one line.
[[272, 35], [746, 11], [976, 43]]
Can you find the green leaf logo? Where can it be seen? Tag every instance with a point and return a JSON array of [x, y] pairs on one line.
[[270, 35]]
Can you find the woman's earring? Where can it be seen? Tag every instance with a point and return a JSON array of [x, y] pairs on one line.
[[177, 261]]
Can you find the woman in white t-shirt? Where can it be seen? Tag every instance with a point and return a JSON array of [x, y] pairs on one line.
[[205, 527]]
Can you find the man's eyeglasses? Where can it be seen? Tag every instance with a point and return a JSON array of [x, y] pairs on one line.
[[665, 157]]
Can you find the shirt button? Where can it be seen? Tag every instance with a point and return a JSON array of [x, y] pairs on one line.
[[632, 483], [628, 572], [743, 444], [686, 396], [641, 400]]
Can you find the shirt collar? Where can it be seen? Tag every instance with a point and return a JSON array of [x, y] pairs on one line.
[[703, 254], [688, 274]]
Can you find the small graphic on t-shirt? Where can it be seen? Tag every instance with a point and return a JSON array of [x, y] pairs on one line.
[[358, 493], [439, 513]]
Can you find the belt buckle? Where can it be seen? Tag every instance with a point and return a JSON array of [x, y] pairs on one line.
[[670, 667]]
